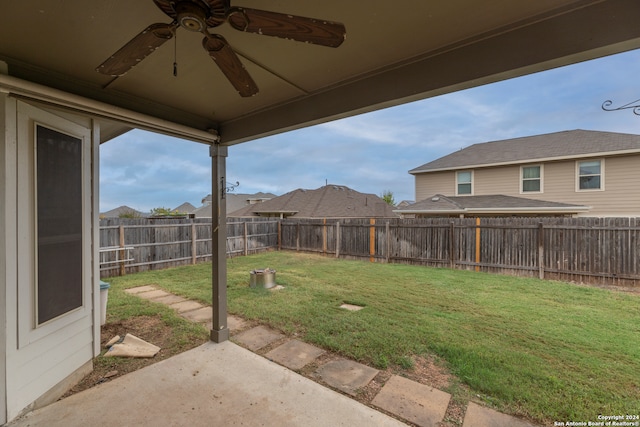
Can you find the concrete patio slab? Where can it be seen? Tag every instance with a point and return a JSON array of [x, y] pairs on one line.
[[417, 403], [211, 385], [138, 289], [169, 299], [157, 293], [346, 375], [479, 416], [294, 354], [200, 315], [257, 338], [188, 305]]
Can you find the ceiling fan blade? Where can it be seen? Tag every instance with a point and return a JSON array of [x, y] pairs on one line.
[[137, 49], [298, 28], [229, 63]]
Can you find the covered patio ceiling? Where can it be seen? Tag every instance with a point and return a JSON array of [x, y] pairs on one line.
[[394, 52]]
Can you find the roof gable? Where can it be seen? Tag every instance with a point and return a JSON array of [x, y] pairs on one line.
[[566, 144]]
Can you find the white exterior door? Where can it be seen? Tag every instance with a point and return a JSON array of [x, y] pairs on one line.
[[50, 335]]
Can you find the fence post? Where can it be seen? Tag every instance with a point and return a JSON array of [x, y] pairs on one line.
[[541, 250], [194, 244], [324, 236], [452, 246], [298, 236], [122, 251], [280, 234], [338, 239], [388, 235], [372, 240], [477, 244], [246, 244]]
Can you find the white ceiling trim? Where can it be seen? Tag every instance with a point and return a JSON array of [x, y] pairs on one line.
[[97, 109]]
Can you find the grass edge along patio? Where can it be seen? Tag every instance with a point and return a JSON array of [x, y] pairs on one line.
[[545, 350]]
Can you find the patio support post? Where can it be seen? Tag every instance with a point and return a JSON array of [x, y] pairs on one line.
[[219, 328]]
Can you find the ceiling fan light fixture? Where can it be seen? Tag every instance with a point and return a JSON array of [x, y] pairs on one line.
[[191, 17]]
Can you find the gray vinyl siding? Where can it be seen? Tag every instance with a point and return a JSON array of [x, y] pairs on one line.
[[428, 184]]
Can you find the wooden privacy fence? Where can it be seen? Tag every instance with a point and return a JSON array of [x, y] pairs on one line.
[[132, 245], [588, 250]]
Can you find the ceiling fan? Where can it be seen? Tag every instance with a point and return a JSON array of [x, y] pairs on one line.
[[201, 15]]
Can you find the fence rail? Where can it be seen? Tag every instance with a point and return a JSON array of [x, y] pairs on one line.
[[588, 250]]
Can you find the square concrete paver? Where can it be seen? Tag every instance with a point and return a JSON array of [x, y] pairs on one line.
[[479, 416], [234, 323], [139, 289], [418, 403], [346, 375], [258, 337], [294, 354], [157, 293], [169, 299], [203, 314], [183, 306]]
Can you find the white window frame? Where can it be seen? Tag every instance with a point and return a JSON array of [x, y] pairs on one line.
[[458, 183], [602, 173], [541, 178]]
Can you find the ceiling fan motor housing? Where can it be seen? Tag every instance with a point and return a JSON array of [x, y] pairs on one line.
[[191, 16]]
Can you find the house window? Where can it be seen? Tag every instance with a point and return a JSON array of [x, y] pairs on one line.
[[59, 223], [590, 175], [531, 179], [464, 182]]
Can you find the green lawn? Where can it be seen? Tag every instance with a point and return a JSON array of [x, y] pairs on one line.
[[546, 350]]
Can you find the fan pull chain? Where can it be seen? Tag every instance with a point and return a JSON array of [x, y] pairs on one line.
[[175, 55]]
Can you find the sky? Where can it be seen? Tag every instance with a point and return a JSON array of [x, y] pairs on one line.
[[373, 152]]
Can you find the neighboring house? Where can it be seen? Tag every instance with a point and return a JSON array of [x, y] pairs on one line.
[[405, 203], [589, 173], [185, 208], [122, 211], [329, 201], [234, 202]]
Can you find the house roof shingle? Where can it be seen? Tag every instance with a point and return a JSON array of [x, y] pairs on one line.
[[490, 203], [186, 207], [234, 202], [329, 201], [122, 210], [566, 144]]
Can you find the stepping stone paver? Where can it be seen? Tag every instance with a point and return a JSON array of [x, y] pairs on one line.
[[479, 416], [258, 337], [346, 375], [200, 315], [294, 354], [169, 299], [235, 322], [139, 289], [420, 404], [188, 305], [151, 295]]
